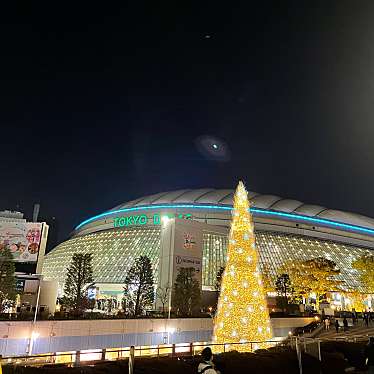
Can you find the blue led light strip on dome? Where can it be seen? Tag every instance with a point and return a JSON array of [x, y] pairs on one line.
[[256, 211]]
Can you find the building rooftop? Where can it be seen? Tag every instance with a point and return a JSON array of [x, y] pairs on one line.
[[224, 197]]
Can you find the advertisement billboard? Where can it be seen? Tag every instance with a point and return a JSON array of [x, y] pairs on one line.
[[188, 247], [22, 238], [181, 247]]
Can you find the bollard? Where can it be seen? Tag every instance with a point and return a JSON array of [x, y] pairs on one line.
[[77, 358], [173, 350], [191, 349], [131, 359], [103, 352]]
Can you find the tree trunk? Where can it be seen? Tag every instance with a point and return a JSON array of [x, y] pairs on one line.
[[285, 300], [79, 287], [137, 301]]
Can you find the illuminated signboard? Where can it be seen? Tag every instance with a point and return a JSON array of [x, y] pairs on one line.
[[22, 239], [142, 219]]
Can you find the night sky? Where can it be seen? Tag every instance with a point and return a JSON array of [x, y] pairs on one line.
[[101, 105]]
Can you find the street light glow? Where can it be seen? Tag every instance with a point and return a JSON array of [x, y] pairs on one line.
[[165, 220]]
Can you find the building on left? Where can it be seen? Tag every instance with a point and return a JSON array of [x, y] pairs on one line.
[[27, 242]]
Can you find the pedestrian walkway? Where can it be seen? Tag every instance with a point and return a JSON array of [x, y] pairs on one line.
[[358, 329]]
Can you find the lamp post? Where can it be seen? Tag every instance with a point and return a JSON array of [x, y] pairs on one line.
[[167, 245], [165, 222], [37, 302], [34, 335]]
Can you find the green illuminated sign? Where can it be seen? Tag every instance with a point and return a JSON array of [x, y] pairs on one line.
[[142, 219]]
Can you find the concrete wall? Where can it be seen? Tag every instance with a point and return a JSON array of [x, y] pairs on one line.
[[63, 336], [281, 326]]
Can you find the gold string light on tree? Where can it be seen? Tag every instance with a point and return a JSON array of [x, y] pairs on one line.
[[242, 314]]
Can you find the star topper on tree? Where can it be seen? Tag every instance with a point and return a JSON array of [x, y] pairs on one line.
[[242, 314]]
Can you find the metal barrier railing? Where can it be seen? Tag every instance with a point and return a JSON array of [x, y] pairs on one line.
[[76, 358]]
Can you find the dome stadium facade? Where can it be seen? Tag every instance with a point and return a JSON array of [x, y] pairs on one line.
[[286, 230]]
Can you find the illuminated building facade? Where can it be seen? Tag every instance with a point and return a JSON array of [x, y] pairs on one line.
[[285, 230]]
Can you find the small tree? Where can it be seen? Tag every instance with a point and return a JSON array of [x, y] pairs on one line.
[[163, 294], [186, 293], [365, 265], [357, 300], [283, 287], [139, 285], [7, 280], [315, 275], [78, 279]]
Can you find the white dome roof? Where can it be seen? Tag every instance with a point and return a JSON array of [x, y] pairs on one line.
[[223, 197]]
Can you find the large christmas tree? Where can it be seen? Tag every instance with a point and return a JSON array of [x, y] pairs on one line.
[[242, 315]]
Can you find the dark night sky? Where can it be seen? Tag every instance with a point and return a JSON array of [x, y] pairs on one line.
[[101, 105]]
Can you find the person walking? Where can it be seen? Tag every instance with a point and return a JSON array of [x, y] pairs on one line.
[[354, 317], [336, 325], [369, 355], [366, 319], [345, 324], [206, 366], [327, 324]]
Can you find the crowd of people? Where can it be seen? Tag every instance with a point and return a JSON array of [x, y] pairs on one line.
[[367, 318]]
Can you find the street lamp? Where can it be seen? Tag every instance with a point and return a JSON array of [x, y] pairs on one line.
[[165, 222], [34, 336]]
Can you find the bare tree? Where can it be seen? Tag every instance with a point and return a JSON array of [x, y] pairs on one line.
[[163, 294]]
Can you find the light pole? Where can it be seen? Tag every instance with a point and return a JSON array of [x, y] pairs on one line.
[[167, 240], [165, 221], [37, 302], [34, 335]]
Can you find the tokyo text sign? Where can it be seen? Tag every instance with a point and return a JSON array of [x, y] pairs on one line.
[[142, 219]]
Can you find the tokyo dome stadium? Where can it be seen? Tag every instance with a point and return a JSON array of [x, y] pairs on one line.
[[285, 229]]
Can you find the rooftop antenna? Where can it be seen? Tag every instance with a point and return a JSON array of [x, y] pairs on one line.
[[36, 212]]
